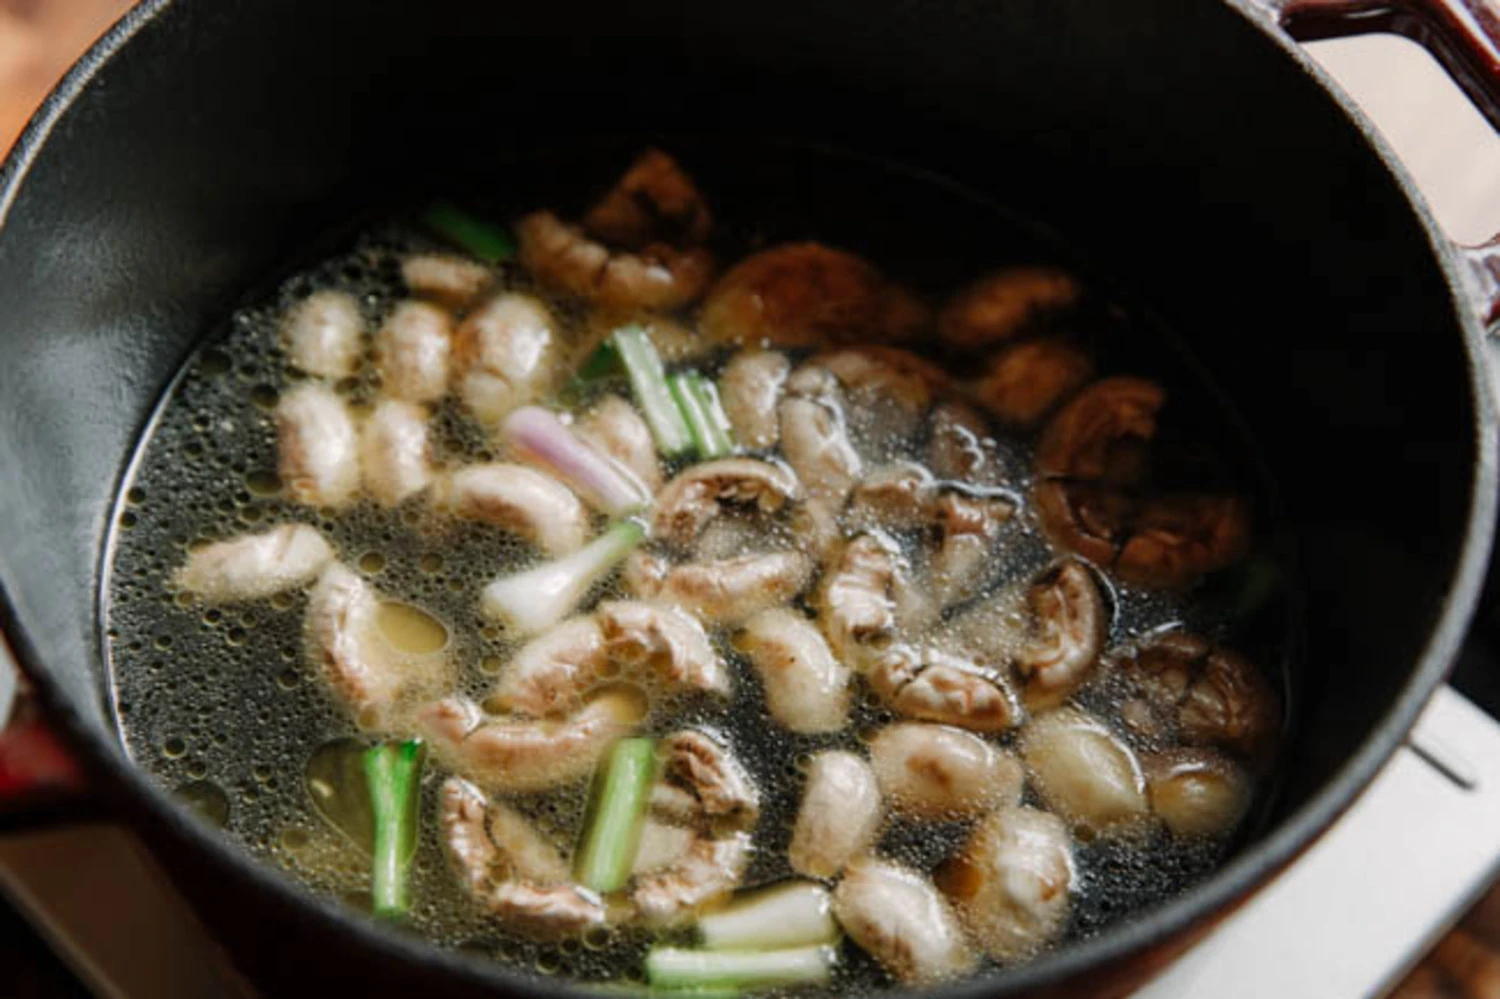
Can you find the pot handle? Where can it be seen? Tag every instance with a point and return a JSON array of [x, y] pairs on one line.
[[1462, 35], [41, 781]]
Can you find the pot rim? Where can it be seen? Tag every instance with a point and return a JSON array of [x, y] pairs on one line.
[[1196, 907]]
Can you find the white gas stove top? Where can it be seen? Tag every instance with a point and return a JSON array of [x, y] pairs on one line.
[[1345, 922]]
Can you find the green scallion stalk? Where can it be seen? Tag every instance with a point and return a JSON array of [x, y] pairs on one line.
[[705, 419], [612, 829], [484, 240], [648, 379], [392, 772], [795, 914], [675, 968]]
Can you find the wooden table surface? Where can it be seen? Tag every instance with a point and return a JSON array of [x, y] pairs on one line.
[[1443, 142]]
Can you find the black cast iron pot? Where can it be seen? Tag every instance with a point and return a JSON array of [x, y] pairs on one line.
[[1186, 147]]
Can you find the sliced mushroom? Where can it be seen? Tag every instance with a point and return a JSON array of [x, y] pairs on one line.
[[373, 677], [516, 498], [317, 446], [1069, 626], [901, 920], [1209, 695], [968, 525], [322, 334], [1006, 304], [724, 590], [1024, 382], [933, 685], [510, 754], [887, 391], [1197, 792], [658, 277], [615, 428], [749, 389], [688, 502], [807, 690], [412, 351], [394, 452], [1012, 883], [447, 278], [252, 566], [941, 772], [808, 295], [654, 201], [1176, 538], [1084, 771], [839, 817], [504, 355]]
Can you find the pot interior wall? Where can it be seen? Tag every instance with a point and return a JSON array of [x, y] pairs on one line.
[[1192, 162]]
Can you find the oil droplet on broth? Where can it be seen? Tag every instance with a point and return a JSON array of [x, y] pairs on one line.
[[335, 778], [371, 562], [206, 800], [263, 483], [410, 629]]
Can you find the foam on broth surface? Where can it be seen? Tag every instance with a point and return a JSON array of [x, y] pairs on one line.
[[221, 703]]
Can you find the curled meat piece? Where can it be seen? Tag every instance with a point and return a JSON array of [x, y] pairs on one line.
[[808, 295], [1084, 771], [654, 201], [510, 869], [1196, 791], [721, 590], [317, 446], [839, 817], [446, 278], [941, 772], [365, 670], [749, 389], [252, 566], [322, 334], [694, 497], [657, 276], [504, 355], [412, 351], [888, 390], [899, 496], [1093, 495], [519, 499], [900, 919], [858, 602], [714, 794], [1003, 305], [1024, 382], [1206, 694], [526, 754], [662, 844], [551, 673], [393, 452], [1069, 626], [961, 447], [665, 642], [709, 869], [933, 685], [617, 430], [807, 690], [1012, 882], [968, 525], [815, 440]]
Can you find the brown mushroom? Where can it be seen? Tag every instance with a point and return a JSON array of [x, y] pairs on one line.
[[654, 201], [1024, 382], [1094, 495], [1005, 304], [1206, 694], [808, 295]]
